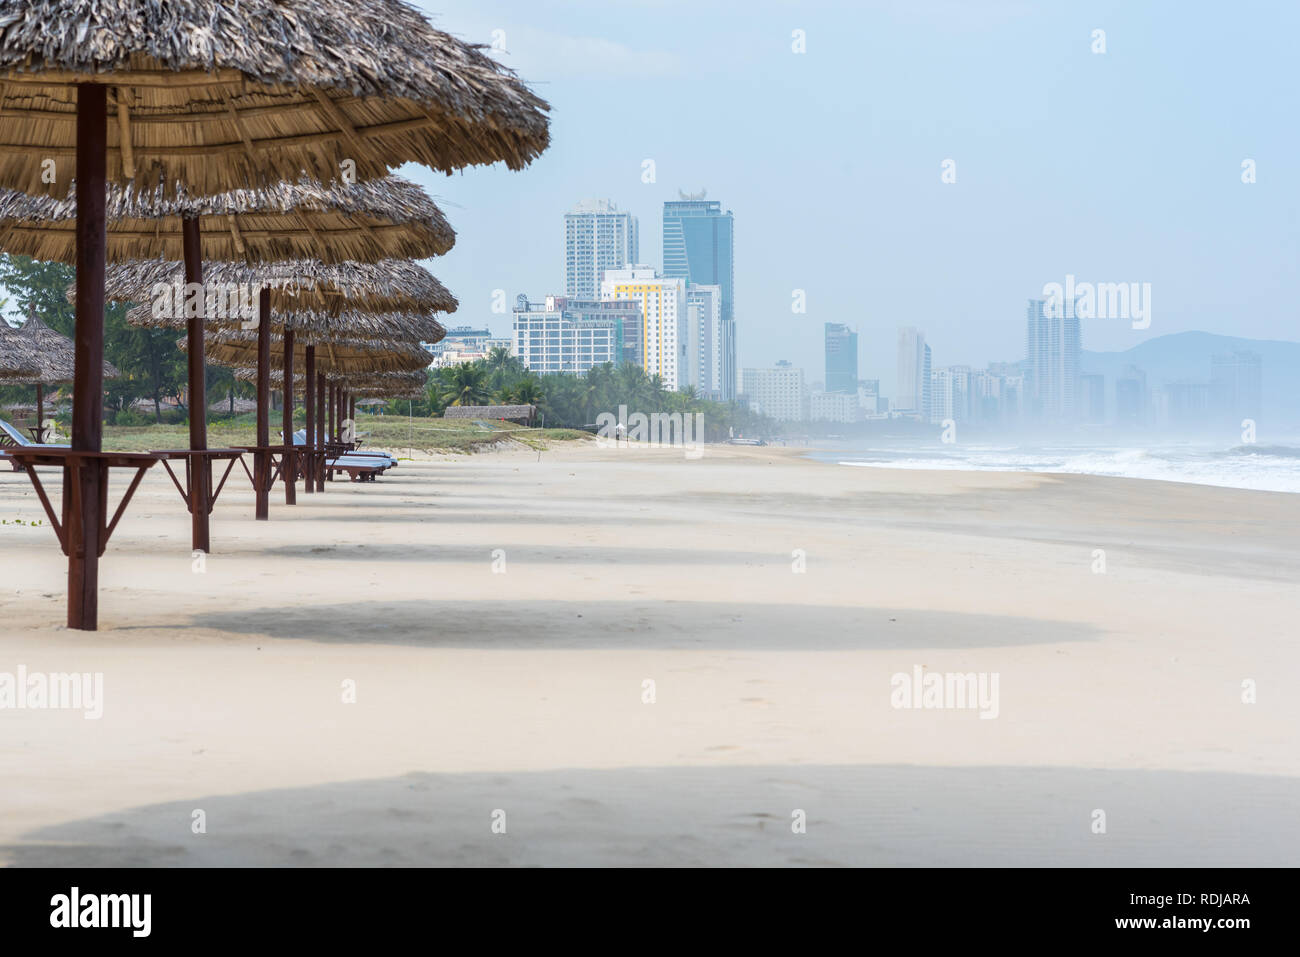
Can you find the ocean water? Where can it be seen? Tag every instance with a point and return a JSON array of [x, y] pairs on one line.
[[1274, 468]]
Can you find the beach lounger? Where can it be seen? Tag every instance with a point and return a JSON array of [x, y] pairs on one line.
[[300, 438], [11, 438], [358, 469]]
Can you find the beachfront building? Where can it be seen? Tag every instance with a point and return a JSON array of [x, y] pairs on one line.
[[562, 335], [912, 393], [841, 358], [597, 237], [702, 364], [464, 344], [662, 304], [778, 393], [869, 399], [462, 338], [834, 407], [1052, 362], [698, 246]]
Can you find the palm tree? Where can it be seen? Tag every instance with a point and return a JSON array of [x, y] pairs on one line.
[[527, 391], [500, 357], [465, 384]]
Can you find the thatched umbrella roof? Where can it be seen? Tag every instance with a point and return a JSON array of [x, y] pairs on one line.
[[17, 363], [389, 218], [393, 285], [387, 384], [42, 355], [239, 349], [315, 327], [226, 94]]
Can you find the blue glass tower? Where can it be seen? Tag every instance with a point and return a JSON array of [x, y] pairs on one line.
[[698, 247]]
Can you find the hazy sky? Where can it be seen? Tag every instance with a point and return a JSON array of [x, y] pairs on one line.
[[1122, 166], [1117, 167]]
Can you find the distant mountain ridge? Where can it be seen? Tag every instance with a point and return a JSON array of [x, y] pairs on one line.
[[1186, 355]]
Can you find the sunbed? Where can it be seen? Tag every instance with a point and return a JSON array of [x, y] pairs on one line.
[[300, 438], [11, 438]]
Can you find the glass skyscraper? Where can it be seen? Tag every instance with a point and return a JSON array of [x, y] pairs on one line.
[[698, 248], [841, 358]]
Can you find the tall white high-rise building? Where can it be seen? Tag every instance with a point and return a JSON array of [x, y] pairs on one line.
[[704, 345], [663, 318], [597, 237], [912, 392], [1051, 361]]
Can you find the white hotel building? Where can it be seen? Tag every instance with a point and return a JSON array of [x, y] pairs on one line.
[[549, 340], [779, 393]]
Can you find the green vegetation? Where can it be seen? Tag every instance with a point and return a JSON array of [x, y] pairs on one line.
[[153, 369], [574, 401], [396, 433], [152, 366]]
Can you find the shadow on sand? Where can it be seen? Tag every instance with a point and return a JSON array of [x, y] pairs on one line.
[[741, 815]]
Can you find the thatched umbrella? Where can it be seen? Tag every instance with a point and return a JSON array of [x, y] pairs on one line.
[[391, 285], [51, 356], [344, 355], [17, 362], [309, 288], [318, 328], [217, 95], [368, 221], [365, 221], [225, 94], [389, 218], [360, 384]]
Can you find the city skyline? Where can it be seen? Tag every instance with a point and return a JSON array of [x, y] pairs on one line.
[[835, 205]]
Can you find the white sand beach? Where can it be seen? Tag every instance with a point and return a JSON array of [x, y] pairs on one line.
[[499, 614]]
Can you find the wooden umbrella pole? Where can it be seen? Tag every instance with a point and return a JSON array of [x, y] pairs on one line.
[[319, 438], [200, 470], [40, 411], [329, 431], [309, 407], [82, 536], [288, 460], [262, 461], [352, 414]]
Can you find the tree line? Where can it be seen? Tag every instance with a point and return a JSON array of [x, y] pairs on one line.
[[153, 369]]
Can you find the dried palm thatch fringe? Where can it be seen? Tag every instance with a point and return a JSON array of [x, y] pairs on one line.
[[225, 94], [34, 353], [314, 327], [389, 218], [335, 355], [392, 385], [17, 363], [392, 285]]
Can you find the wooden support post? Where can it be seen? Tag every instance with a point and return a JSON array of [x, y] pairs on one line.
[[262, 459], [309, 406], [200, 470], [288, 462], [40, 411], [320, 430], [329, 432], [88, 366], [352, 414]]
